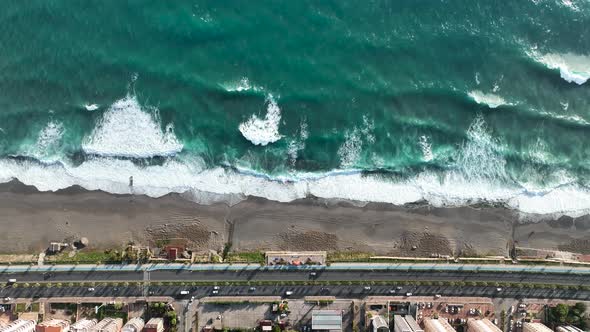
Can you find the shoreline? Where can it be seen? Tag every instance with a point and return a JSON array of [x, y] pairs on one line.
[[32, 219]]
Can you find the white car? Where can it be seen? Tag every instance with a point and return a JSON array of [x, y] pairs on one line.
[[313, 274], [216, 287], [288, 293], [392, 291], [408, 294], [367, 287], [437, 296], [215, 292], [184, 292], [91, 289]]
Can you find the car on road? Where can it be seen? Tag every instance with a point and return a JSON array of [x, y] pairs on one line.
[[313, 274], [91, 289], [11, 281]]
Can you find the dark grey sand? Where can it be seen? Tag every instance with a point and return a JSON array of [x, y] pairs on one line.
[[31, 219]]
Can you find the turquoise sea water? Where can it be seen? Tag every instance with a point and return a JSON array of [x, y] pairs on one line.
[[452, 102]]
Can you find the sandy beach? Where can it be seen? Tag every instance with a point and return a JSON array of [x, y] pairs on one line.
[[31, 219]]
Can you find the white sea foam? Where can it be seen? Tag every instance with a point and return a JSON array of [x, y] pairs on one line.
[[426, 147], [91, 107], [354, 139], [297, 144], [47, 143], [478, 175], [571, 5], [127, 130], [350, 151], [573, 68], [489, 99], [564, 105], [240, 86], [263, 131]]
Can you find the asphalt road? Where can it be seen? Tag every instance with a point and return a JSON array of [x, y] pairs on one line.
[[294, 275], [356, 291]]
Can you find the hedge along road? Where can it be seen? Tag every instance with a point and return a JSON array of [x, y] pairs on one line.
[[333, 267]]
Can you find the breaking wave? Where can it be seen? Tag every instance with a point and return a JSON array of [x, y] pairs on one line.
[[477, 175], [572, 68], [263, 131], [48, 141], [128, 130], [91, 107], [489, 99]]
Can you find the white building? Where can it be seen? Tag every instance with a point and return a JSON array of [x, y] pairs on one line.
[[481, 325], [154, 325], [379, 324], [535, 327], [405, 324], [108, 325], [133, 325], [83, 325], [568, 328], [20, 325], [437, 325]]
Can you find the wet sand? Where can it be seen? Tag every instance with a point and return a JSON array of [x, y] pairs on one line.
[[31, 219]]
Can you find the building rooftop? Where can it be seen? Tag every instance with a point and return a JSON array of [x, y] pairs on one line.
[[536, 327], [437, 325], [326, 320], [379, 321]]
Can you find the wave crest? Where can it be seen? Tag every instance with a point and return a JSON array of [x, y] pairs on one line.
[[126, 130], [489, 99], [263, 131]]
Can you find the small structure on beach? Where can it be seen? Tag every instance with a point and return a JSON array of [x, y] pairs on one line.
[[56, 247]]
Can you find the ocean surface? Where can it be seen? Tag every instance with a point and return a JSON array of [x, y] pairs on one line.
[[448, 102]]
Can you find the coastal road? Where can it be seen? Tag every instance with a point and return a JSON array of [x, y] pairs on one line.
[[365, 274], [295, 275], [343, 291]]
